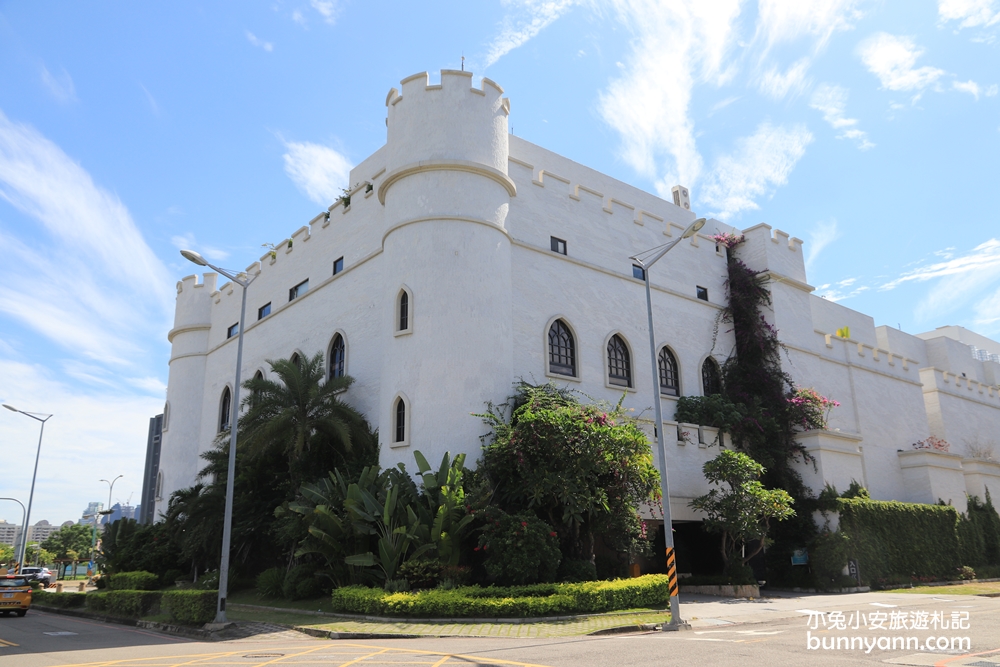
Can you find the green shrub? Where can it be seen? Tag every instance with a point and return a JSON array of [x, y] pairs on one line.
[[124, 604], [516, 601], [191, 607], [421, 573], [828, 557], [301, 583], [890, 538], [270, 582], [170, 577], [133, 581], [577, 570], [101, 583], [520, 549], [61, 600]]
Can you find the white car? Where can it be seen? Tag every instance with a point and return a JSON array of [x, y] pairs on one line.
[[40, 574]]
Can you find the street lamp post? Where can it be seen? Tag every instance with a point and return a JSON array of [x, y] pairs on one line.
[[37, 416], [24, 513], [111, 485], [220, 612], [652, 257]]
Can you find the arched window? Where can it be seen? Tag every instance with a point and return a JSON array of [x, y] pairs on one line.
[[711, 382], [338, 352], [400, 421], [619, 363], [562, 350], [295, 358], [668, 373], [255, 393], [225, 410], [403, 312]]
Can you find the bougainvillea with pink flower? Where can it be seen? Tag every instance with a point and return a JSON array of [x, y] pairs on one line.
[[809, 410], [728, 239], [933, 443]]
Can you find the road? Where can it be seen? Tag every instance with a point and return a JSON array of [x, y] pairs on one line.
[[49, 640]]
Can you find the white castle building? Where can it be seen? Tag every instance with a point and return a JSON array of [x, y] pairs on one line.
[[466, 258]]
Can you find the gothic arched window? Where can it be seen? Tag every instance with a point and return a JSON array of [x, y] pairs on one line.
[[338, 353], [562, 350], [668, 372], [400, 435], [225, 410], [711, 382], [619, 363]]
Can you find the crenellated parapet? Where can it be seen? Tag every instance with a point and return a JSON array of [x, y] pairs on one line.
[[774, 251], [447, 127]]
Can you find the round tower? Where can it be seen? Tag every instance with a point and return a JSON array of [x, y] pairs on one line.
[[179, 461], [447, 254]]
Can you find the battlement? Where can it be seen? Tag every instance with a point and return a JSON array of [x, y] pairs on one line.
[[189, 283], [768, 249], [453, 82]]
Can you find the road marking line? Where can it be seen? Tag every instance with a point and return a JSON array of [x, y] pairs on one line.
[[4, 642]]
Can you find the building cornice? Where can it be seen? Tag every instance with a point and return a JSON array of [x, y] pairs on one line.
[[446, 165]]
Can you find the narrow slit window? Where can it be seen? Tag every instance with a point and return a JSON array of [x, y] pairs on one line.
[[225, 410], [404, 311], [400, 420]]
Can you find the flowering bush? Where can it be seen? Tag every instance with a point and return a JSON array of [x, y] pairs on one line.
[[728, 240], [520, 548], [810, 410], [932, 442]]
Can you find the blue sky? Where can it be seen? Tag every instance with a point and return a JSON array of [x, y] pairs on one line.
[[127, 130]]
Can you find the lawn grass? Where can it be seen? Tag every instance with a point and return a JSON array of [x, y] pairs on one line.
[[967, 588]]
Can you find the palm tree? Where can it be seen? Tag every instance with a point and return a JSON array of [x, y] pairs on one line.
[[303, 417]]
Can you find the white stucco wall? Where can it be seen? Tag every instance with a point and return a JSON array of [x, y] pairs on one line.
[[460, 213]]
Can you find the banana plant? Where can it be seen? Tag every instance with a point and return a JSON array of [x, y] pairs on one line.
[[444, 501]]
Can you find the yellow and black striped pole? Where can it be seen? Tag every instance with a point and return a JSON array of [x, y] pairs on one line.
[[646, 261]]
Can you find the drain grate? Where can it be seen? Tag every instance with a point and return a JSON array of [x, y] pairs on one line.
[[281, 655]]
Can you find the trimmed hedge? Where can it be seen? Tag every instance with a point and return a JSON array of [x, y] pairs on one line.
[[512, 602], [890, 538], [127, 604], [133, 581], [61, 600], [190, 607]]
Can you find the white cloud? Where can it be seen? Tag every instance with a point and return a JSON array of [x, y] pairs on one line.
[[718, 106], [92, 434], [152, 101], [529, 18], [676, 44], [969, 13], [958, 280], [759, 163], [60, 86], [838, 292], [820, 237], [970, 87], [777, 84], [256, 41], [892, 59], [831, 101], [188, 242], [86, 279], [318, 171], [298, 17], [787, 20], [328, 9]]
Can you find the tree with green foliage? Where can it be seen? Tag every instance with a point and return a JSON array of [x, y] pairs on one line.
[[743, 512], [70, 542], [303, 417], [129, 546], [583, 469], [6, 554], [34, 553]]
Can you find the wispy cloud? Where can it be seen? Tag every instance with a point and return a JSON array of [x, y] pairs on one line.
[[61, 85], [88, 431], [787, 20], [822, 235], [688, 40], [188, 242], [844, 289], [760, 163], [528, 18], [85, 278], [892, 59], [777, 85], [969, 13], [328, 9], [152, 101], [974, 89], [831, 101], [318, 171], [259, 43], [959, 279]]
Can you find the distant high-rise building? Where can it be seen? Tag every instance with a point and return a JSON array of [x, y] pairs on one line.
[[9, 532], [88, 514], [147, 502]]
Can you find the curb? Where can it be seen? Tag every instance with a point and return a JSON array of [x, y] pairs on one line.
[[440, 621], [165, 628], [642, 627]]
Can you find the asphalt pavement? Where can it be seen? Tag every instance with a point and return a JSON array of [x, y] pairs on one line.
[[783, 632]]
